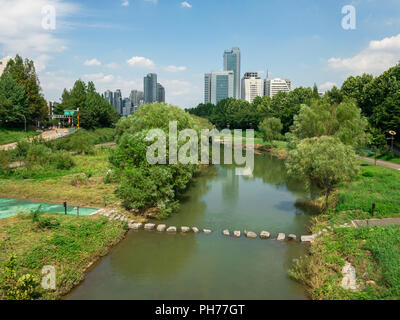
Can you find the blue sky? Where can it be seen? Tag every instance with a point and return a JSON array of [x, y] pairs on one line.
[[115, 43]]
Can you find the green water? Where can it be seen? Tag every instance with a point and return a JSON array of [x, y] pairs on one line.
[[150, 265], [12, 207]]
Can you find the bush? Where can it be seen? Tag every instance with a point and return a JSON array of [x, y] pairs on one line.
[[16, 287], [4, 161], [62, 160]]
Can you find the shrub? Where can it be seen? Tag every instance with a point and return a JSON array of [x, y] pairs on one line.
[[35, 214], [15, 287], [62, 160]]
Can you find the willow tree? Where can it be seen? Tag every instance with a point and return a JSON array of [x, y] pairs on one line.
[[323, 162]]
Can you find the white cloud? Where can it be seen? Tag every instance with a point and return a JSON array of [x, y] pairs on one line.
[[21, 29], [112, 65], [175, 68], [125, 3], [376, 58], [92, 63], [185, 4], [327, 86], [152, 1], [141, 62]]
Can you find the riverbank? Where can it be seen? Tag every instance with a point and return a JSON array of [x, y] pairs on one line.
[[372, 251], [70, 244]]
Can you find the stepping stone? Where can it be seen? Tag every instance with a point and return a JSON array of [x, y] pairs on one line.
[[149, 226], [292, 237], [308, 238], [226, 233], [251, 235], [161, 228], [207, 231], [171, 230], [195, 230], [136, 226], [265, 235], [185, 229], [236, 234], [281, 237]]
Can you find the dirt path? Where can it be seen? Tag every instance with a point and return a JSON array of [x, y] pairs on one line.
[[47, 135], [382, 163]]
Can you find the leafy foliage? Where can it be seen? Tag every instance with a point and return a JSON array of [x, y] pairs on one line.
[[324, 162], [143, 186], [20, 94], [94, 110], [343, 121], [271, 129]]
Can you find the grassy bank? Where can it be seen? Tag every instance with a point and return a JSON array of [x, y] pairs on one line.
[[14, 135], [373, 251], [85, 184], [70, 244]]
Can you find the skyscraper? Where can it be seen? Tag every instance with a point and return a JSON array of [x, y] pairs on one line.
[[109, 96], [160, 93], [207, 88], [232, 63], [273, 86], [150, 88], [252, 86], [136, 97], [219, 85], [118, 101]]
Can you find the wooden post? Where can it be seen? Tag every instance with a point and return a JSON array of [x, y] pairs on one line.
[[373, 209], [77, 210], [65, 207]]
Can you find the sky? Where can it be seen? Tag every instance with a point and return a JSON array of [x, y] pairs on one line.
[[116, 43]]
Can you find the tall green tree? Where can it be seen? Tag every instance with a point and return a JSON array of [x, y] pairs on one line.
[[323, 162], [24, 74], [271, 129], [12, 102], [94, 110]]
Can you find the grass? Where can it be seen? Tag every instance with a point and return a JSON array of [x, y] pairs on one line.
[[59, 186], [373, 251], [14, 135], [69, 243]]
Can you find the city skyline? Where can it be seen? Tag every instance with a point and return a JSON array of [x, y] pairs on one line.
[[305, 45]]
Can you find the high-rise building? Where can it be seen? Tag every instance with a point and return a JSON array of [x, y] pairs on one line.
[[273, 86], [207, 88], [160, 93], [232, 63], [136, 97], [3, 64], [150, 88], [109, 96], [127, 107], [218, 86], [252, 86], [118, 101]]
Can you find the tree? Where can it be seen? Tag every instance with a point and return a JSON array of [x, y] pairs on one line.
[[271, 129], [323, 162], [343, 121], [12, 102], [24, 74], [94, 110]]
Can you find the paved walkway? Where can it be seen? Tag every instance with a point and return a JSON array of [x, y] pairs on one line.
[[47, 135], [382, 163], [376, 222]]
